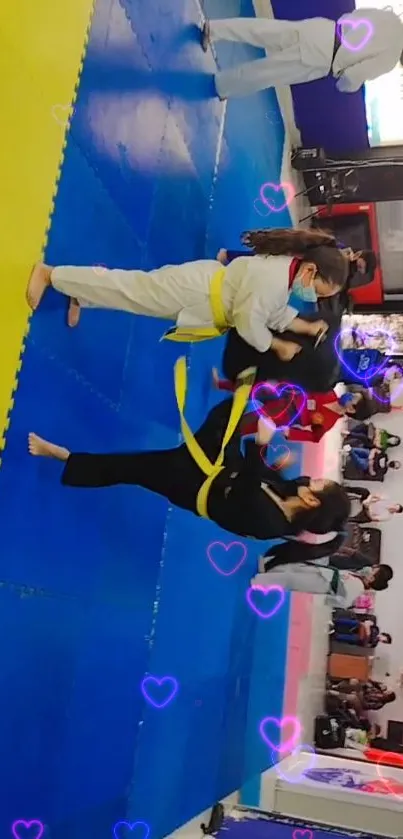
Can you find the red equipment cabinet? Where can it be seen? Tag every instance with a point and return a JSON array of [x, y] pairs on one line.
[[371, 294]]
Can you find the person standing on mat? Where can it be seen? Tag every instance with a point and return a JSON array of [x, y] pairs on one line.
[[362, 45], [206, 299], [208, 476]]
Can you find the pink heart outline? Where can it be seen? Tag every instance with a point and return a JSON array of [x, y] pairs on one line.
[[278, 389], [284, 747], [298, 833], [131, 826], [62, 109], [27, 825], [212, 545], [354, 24], [258, 211], [288, 778], [159, 682], [285, 187], [99, 270], [272, 448], [364, 335], [265, 591]]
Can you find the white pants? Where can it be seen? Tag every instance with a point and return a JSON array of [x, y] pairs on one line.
[[163, 293], [296, 577], [284, 67]]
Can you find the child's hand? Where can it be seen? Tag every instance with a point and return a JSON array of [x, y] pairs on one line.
[[318, 326], [287, 350]]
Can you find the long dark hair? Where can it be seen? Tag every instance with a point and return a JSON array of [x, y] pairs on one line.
[[317, 246], [334, 510]]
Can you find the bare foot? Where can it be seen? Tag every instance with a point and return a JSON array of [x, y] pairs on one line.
[[205, 36], [73, 313], [42, 448], [222, 256], [39, 281]]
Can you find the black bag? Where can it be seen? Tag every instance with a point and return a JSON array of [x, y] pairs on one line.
[[329, 733]]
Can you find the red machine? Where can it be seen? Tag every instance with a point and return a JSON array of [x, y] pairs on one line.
[[355, 225]]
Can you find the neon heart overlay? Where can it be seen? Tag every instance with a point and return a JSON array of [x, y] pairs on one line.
[[298, 834], [391, 783], [291, 779], [27, 825], [277, 390], [280, 461], [152, 681], [288, 744], [373, 371], [265, 591], [257, 202], [61, 113], [99, 270], [214, 545], [285, 187], [131, 826], [355, 24]]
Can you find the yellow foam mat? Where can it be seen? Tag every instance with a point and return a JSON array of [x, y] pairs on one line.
[[42, 46]]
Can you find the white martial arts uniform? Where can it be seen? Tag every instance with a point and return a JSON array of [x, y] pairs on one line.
[[314, 579], [302, 50], [254, 294]]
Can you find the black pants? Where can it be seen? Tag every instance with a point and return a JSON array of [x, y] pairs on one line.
[[172, 473], [314, 370]]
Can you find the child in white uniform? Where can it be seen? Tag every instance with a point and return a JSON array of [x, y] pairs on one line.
[[253, 291]]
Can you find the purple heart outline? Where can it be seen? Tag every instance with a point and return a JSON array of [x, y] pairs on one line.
[[283, 187], [364, 335], [256, 201], [355, 24], [290, 779], [274, 449], [27, 824], [291, 742], [277, 390], [265, 590], [155, 682], [131, 826], [226, 548]]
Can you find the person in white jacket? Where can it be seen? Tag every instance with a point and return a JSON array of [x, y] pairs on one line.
[[205, 299], [361, 45]]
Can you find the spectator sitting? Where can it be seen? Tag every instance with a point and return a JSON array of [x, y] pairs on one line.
[[360, 633], [367, 436], [371, 507], [372, 462]]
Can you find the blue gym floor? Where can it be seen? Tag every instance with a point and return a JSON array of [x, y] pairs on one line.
[[99, 588]]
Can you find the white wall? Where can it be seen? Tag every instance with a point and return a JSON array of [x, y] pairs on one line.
[[389, 604]]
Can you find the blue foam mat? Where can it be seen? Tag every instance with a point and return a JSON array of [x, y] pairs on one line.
[[117, 584]]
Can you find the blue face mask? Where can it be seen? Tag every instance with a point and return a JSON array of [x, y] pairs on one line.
[[305, 293]]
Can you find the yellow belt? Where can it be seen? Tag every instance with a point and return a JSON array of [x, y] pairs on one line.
[[202, 333], [211, 470]]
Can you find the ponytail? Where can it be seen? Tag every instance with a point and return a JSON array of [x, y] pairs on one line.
[[287, 242], [314, 246]]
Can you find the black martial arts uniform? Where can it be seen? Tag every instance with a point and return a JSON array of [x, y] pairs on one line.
[[292, 552], [237, 502], [314, 370]]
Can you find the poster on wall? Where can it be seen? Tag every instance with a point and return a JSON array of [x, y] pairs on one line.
[[384, 96], [371, 779]]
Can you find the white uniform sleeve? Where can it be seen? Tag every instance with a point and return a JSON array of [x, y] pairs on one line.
[[353, 77]]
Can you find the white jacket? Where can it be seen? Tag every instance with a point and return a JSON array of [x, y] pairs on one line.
[[377, 56]]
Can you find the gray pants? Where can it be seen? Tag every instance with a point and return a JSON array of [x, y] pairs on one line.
[[284, 67]]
